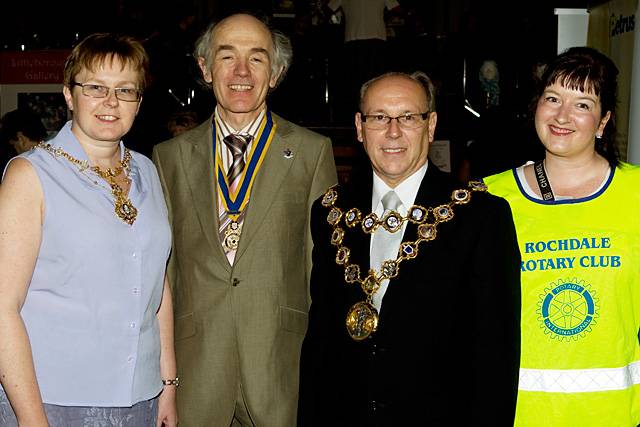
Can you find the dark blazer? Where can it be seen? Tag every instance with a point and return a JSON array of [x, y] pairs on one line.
[[447, 348]]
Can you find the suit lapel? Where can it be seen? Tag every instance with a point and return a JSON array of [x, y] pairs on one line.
[[269, 181], [197, 162], [434, 188], [432, 192]]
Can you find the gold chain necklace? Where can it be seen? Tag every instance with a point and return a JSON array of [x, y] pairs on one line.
[[124, 209], [362, 317]]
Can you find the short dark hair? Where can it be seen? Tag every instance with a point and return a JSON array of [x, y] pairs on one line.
[[418, 76], [21, 120], [98, 48], [588, 70]]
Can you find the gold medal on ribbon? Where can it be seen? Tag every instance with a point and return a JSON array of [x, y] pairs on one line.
[[232, 236], [362, 320], [235, 200]]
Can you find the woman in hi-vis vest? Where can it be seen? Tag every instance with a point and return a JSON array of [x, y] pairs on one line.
[[578, 229]]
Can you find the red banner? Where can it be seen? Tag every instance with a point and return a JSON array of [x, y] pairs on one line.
[[42, 66]]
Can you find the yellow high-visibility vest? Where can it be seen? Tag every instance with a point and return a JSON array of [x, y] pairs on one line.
[[580, 362]]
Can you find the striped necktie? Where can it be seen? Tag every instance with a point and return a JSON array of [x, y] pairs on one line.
[[237, 144]]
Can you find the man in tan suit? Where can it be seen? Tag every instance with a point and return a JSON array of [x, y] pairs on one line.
[[239, 189]]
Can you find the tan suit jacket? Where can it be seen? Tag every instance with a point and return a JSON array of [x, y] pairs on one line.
[[239, 328]]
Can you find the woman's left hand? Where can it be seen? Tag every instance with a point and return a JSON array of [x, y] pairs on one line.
[[167, 410]]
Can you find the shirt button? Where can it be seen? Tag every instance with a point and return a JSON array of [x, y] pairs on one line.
[[235, 281], [132, 325], [133, 255], [130, 359], [135, 291]]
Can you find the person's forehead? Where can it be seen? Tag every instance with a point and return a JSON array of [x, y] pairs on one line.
[[243, 29], [396, 88]]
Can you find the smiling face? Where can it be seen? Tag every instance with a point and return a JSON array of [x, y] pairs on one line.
[[103, 121], [240, 70], [568, 120], [396, 153]]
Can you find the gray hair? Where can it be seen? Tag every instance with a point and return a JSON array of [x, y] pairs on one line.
[[282, 49], [417, 76]]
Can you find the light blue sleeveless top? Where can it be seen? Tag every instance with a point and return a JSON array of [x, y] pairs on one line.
[[90, 310]]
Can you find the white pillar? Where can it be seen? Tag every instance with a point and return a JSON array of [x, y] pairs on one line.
[[573, 25], [633, 146]]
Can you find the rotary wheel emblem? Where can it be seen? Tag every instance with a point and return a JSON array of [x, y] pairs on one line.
[[568, 309]]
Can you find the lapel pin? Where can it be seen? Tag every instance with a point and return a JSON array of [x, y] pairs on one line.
[[288, 153]]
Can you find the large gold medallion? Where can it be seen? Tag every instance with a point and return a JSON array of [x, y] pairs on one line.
[[232, 236], [362, 320]]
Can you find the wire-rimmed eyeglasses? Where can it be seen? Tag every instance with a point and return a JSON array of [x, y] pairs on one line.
[[99, 91], [382, 121]]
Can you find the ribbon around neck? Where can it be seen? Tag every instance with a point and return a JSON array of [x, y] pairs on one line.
[[235, 201]]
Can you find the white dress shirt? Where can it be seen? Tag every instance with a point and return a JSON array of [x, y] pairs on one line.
[[407, 191], [225, 129]]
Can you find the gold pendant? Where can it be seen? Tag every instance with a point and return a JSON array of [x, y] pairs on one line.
[[362, 320], [232, 236], [125, 210]]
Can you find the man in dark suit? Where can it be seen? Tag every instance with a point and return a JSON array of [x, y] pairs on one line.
[[239, 189], [431, 336]]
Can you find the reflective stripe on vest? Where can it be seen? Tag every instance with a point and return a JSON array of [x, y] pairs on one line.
[[579, 380]]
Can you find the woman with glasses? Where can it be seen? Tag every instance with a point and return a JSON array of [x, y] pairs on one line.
[[576, 215], [86, 328]]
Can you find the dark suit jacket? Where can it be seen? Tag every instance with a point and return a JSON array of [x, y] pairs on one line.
[[447, 348]]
